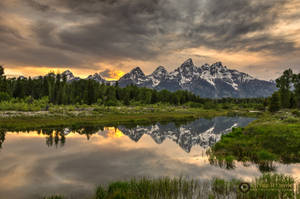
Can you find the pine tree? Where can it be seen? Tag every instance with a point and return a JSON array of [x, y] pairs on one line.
[[274, 102], [296, 82], [284, 85], [1, 71], [154, 97], [2, 79], [19, 89]]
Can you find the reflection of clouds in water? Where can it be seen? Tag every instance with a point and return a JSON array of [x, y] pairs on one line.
[[291, 169], [30, 168]]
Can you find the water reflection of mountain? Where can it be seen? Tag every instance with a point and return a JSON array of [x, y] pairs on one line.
[[203, 132]]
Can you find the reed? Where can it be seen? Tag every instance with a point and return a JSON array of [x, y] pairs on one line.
[[268, 186]]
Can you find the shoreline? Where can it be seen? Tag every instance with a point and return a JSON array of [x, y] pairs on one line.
[[21, 120]]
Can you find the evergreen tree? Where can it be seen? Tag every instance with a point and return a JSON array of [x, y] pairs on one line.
[[284, 85], [1, 71], [19, 89], [91, 98], [154, 97], [275, 102], [296, 82], [2, 80], [59, 91]]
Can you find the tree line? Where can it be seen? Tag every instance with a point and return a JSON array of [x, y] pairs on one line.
[[59, 91], [288, 94]]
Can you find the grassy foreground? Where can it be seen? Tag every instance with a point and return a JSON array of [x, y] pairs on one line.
[[269, 186], [270, 138], [100, 115]]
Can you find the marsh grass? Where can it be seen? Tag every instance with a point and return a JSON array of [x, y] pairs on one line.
[[99, 115], [271, 138], [268, 186], [273, 186], [165, 187]]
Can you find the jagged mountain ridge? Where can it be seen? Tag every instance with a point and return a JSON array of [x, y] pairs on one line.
[[202, 132], [208, 81], [212, 81]]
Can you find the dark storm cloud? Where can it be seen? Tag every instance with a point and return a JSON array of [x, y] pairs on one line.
[[117, 28], [79, 32], [225, 25], [38, 6], [130, 28], [16, 49]]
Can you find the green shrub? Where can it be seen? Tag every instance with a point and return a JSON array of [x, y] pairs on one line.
[[209, 105], [4, 96], [292, 120], [296, 113], [101, 193], [112, 103], [194, 105], [264, 155]]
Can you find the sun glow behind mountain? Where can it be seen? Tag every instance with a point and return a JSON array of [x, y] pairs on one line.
[[257, 37], [114, 75]]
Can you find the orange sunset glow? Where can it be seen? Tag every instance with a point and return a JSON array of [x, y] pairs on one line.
[[113, 98], [261, 38]]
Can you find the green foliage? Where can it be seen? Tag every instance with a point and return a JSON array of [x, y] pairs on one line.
[[194, 105], [146, 188], [4, 96], [61, 92], [287, 97], [268, 186], [264, 155], [296, 113], [263, 141], [274, 103], [209, 105], [275, 186], [26, 104]]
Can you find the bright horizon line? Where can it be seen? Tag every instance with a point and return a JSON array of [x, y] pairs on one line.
[[117, 73]]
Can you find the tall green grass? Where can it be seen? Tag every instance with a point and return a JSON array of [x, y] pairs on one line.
[[269, 186], [264, 141]]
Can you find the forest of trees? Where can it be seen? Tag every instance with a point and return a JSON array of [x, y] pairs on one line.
[[288, 95], [59, 91]]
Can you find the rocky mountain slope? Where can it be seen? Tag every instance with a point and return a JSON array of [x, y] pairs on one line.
[[208, 81], [211, 81]]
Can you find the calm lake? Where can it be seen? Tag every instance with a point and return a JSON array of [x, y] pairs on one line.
[[73, 161]]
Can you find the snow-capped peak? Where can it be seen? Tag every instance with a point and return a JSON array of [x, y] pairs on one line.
[[68, 74], [97, 77], [137, 71], [160, 71], [135, 76], [158, 75], [218, 65], [214, 80]]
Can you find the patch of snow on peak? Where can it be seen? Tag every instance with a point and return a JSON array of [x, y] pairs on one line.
[[68, 74], [159, 74]]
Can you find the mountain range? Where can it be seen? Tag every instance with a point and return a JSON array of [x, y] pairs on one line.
[[207, 81]]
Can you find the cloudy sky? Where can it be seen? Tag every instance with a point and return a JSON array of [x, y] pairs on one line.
[[260, 37]]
